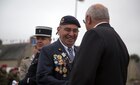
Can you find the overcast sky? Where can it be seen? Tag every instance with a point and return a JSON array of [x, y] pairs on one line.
[[18, 18]]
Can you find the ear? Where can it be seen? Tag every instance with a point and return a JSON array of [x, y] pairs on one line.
[[88, 19], [58, 28]]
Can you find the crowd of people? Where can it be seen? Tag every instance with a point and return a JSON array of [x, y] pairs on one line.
[[101, 59], [7, 78]]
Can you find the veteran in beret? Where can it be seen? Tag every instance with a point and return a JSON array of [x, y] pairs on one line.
[[55, 61], [43, 37]]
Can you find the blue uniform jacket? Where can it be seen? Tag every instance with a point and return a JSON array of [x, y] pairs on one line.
[[53, 66]]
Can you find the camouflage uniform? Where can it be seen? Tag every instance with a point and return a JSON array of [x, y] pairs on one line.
[[12, 76], [3, 77]]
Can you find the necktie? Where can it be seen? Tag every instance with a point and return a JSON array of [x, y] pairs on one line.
[[71, 56]]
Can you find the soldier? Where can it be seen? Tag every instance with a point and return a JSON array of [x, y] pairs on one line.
[[26, 62], [3, 75], [55, 60], [13, 75], [43, 37]]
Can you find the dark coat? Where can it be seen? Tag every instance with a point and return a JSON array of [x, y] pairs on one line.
[[53, 66], [30, 78], [102, 58]]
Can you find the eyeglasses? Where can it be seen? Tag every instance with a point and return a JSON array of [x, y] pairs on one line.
[[84, 21], [73, 30]]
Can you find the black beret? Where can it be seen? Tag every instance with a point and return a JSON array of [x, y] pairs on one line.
[[69, 20]]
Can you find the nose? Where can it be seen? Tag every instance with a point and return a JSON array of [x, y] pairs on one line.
[[39, 40], [71, 33]]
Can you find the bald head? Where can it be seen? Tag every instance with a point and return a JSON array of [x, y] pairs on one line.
[[98, 12]]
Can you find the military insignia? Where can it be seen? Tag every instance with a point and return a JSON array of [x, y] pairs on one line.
[[60, 63], [64, 54], [54, 56], [62, 20], [56, 62], [60, 49], [64, 75], [39, 31], [59, 57], [60, 71], [57, 69], [65, 70]]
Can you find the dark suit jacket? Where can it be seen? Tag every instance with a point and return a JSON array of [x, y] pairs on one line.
[[102, 58], [53, 66]]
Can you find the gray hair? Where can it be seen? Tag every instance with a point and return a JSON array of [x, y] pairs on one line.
[[98, 12]]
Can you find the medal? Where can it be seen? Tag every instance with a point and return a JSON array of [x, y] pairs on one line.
[[54, 56], [64, 75], [61, 62], [59, 57], [63, 54], [57, 69], [65, 70], [60, 71], [56, 62]]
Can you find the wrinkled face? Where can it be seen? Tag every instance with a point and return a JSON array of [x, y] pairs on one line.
[[42, 41], [68, 34]]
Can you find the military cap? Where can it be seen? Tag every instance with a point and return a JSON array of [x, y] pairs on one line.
[[4, 65], [43, 31], [69, 20], [15, 68]]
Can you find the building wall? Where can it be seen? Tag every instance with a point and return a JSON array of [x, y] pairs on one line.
[[10, 63]]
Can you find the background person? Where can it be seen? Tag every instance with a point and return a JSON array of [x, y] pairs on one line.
[[13, 75], [26, 62], [43, 37], [3, 75]]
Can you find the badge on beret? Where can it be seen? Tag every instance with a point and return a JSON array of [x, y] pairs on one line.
[[39, 31], [62, 20]]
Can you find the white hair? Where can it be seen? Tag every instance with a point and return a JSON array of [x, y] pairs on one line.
[[98, 12]]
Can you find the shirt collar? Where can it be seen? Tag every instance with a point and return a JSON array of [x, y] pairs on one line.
[[99, 23], [65, 45]]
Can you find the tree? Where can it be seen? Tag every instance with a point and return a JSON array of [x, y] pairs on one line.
[[135, 57]]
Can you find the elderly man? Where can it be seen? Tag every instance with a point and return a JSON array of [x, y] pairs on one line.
[[102, 58], [55, 61]]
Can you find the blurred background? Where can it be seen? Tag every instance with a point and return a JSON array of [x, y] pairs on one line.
[[18, 18]]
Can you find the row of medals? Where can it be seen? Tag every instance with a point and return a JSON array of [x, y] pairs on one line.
[[60, 63]]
